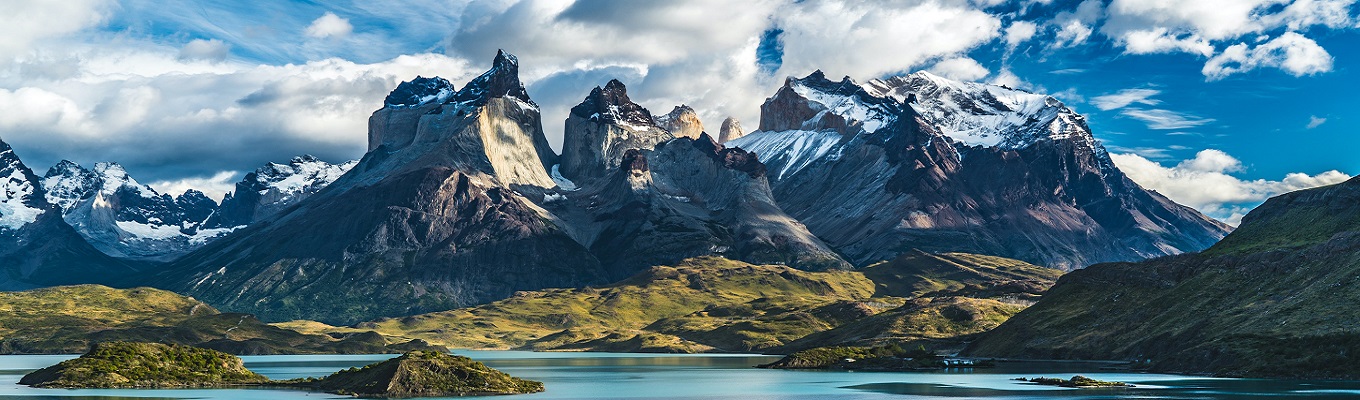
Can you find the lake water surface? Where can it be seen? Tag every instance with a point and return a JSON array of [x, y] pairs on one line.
[[643, 376]]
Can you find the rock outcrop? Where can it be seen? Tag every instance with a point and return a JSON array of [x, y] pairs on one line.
[[682, 121], [602, 128], [927, 163], [439, 214], [731, 130], [646, 199]]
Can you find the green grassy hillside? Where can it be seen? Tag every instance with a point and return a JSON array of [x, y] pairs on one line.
[[714, 304], [70, 319], [1278, 297]]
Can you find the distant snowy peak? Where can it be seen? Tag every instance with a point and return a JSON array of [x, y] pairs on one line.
[[18, 204], [67, 183], [610, 104], [985, 115], [844, 106], [303, 174]]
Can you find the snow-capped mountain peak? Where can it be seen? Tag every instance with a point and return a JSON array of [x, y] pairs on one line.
[[17, 207], [302, 173], [978, 114]]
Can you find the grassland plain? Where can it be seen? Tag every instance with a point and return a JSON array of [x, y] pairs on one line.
[[711, 304]]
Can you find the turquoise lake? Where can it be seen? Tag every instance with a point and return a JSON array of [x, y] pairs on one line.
[[644, 376]]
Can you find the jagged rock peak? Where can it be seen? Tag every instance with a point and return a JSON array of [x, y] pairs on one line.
[[420, 91], [502, 80], [730, 157], [611, 104], [682, 121], [731, 129]]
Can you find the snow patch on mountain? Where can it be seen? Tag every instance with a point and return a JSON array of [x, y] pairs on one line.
[[849, 107], [790, 150], [303, 174], [985, 115], [14, 190]]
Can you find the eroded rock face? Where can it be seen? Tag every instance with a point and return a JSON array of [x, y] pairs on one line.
[[604, 126], [682, 121], [880, 168], [438, 221], [731, 129]]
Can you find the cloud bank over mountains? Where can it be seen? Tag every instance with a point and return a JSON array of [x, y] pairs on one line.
[[183, 93]]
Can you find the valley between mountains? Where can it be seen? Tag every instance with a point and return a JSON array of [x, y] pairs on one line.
[[914, 211]]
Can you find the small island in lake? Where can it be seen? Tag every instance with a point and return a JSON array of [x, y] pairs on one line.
[[423, 374], [1076, 382], [129, 365], [146, 365]]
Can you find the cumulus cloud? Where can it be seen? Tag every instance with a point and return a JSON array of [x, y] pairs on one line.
[[29, 22], [1206, 182], [187, 119], [1125, 97], [329, 25], [1019, 32], [216, 186], [199, 49], [960, 68], [1291, 52], [1077, 25], [1201, 27]]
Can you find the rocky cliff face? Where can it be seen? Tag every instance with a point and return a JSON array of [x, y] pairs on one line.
[[37, 247], [437, 215], [682, 121], [126, 219], [602, 128], [274, 187], [1274, 298], [654, 202], [927, 163], [731, 130]]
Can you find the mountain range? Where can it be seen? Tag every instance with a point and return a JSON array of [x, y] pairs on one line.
[[460, 201]]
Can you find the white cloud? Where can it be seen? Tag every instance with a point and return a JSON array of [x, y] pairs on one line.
[[1076, 26], [1166, 119], [1290, 52], [210, 50], [1315, 121], [1206, 182], [1020, 32], [29, 22], [329, 25], [1201, 26], [1125, 97], [215, 186], [1159, 40], [147, 108], [960, 68]]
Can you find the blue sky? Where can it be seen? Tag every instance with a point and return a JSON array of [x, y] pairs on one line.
[[1217, 103]]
